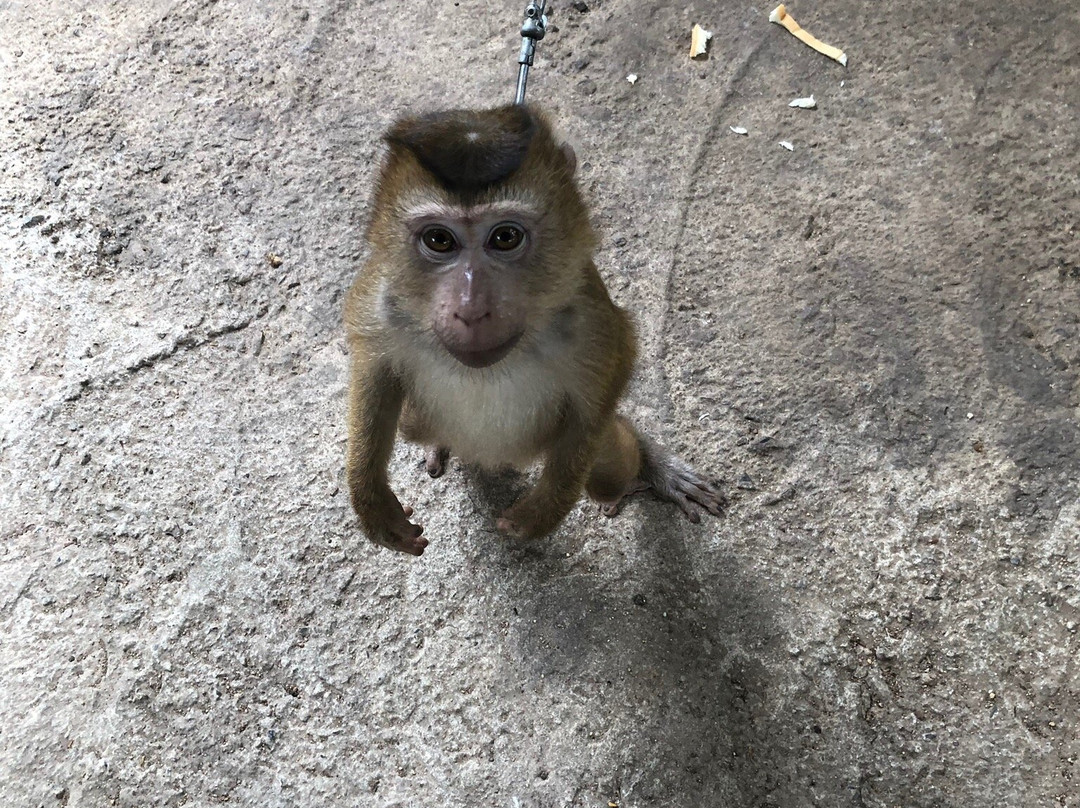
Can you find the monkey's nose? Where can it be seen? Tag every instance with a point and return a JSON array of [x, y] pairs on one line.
[[471, 318]]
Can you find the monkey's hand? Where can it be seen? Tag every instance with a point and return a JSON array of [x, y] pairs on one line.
[[387, 523], [530, 517], [560, 485], [541, 510]]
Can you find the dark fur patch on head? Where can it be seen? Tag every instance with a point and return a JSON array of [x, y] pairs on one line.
[[468, 150]]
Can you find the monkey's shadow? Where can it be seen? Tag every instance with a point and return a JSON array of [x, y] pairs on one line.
[[491, 492], [658, 650]]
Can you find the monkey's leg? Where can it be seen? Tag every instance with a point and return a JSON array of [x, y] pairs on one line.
[[614, 475], [375, 399], [615, 472], [415, 428], [656, 468]]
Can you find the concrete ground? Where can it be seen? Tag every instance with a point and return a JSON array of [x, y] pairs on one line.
[[874, 339]]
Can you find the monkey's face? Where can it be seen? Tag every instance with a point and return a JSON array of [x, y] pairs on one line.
[[473, 268], [479, 232]]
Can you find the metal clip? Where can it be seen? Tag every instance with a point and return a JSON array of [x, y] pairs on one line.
[[532, 31]]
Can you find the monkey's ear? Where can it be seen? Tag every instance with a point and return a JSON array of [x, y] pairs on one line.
[[570, 155]]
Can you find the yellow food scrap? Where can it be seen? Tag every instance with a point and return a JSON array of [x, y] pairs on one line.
[[699, 41], [780, 16]]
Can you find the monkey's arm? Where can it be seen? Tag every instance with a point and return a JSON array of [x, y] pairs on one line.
[[566, 467], [375, 398], [605, 355]]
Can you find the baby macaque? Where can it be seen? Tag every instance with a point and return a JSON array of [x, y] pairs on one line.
[[481, 327]]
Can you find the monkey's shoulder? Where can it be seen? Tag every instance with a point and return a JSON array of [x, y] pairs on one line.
[[607, 328]]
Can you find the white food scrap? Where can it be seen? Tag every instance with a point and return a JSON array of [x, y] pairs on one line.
[[780, 16], [632, 78], [787, 145], [699, 41], [738, 130], [804, 103]]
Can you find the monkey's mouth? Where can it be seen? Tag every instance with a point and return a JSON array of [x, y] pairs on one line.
[[484, 357]]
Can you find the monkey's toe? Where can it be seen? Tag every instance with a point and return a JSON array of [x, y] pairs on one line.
[[507, 526], [708, 498], [435, 461], [685, 505], [610, 509]]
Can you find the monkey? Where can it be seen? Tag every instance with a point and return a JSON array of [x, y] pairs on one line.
[[480, 327]]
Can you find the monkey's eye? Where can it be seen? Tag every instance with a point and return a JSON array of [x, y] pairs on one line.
[[505, 237], [438, 239]]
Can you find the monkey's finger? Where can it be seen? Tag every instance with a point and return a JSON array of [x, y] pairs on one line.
[[415, 547], [405, 532], [703, 493], [408, 511], [411, 536], [687, 481], [698, 493]]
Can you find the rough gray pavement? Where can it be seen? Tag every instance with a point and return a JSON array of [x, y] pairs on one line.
[[874, 339]]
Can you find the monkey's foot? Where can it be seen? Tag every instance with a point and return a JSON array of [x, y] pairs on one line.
[[673, 480], [435, 461], [676, 482], [610, 509]]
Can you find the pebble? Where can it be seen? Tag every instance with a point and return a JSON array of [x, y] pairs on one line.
[[586, 87]]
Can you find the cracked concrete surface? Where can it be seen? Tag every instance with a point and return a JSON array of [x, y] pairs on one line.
[[874, 339]]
